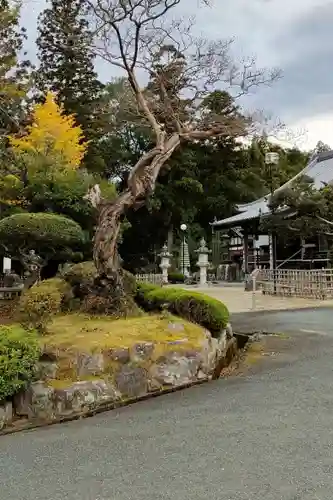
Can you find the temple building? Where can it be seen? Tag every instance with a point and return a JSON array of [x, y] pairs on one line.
[[239, 244]]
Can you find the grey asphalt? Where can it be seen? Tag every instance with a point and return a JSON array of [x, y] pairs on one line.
[[268, 435]]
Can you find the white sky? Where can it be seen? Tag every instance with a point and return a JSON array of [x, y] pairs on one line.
[[295, 35]]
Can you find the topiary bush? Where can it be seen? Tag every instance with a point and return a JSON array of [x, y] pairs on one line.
[[196, 307], [40, 302], [50, 235], [19, 353]]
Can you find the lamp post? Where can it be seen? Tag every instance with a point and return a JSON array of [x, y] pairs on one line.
[[183, 228], [272, 158]]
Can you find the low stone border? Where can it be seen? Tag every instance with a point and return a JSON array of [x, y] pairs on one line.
[[232, 347], [30, 425]]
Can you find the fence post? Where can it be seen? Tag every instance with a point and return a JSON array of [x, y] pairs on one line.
[[254, 276]]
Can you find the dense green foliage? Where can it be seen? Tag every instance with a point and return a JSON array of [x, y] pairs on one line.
[[67, 67], [49, 235], [203, 181], [200, 181], [14, 75], [301, 211], [19, 354], [40, 302], [196, 307], [174, 277]]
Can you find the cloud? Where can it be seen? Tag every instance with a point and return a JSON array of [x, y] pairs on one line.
[[306, 52], [295, 35], [29, 14]]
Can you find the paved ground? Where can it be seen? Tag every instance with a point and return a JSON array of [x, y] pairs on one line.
[[265, 435], [298, 321], [237, 300]]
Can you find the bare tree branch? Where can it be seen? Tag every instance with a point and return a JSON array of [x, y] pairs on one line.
[[190, 87]]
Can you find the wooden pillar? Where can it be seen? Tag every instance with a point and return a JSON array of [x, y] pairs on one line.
[[245, 252], [271, 253]]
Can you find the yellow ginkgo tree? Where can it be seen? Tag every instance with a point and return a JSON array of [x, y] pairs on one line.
[[53, 136]]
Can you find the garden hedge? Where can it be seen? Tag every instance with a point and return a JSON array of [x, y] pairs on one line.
[[193, 306], [174, 277], [40, 302], [19, 353]]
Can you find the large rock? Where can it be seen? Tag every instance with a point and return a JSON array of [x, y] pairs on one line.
[[132, 381], [47, 370], [89, 364], [119, 354], [46, 403], [176, 369], [212, 350], [36, 402], [142, 351], [84, 396], [6, 414]]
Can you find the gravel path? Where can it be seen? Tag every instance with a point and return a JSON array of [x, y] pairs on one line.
[[267, 435]]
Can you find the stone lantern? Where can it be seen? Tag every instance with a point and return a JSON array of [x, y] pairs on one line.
[[165, 263], [203, 263]]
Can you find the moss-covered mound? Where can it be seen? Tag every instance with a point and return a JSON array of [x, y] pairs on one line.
[[194, 306], [85, 346], [83, 331]]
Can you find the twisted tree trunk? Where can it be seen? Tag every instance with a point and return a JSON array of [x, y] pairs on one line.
[[141, 184]]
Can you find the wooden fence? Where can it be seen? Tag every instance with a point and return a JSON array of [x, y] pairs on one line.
[[314, 284], [155, 279]]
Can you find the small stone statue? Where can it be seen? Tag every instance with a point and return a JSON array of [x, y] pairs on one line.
[[32, 264]]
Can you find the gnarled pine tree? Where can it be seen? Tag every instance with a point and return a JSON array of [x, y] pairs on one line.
[[142, 39]]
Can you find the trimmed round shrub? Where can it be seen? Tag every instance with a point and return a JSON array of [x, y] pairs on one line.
[[50, 235], [19, 353], [40, 302], [196, 307]]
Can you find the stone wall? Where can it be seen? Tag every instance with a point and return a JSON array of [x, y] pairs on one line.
[[71, 384]]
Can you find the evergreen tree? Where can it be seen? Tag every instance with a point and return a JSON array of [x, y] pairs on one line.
[[14, 77], [67, 67]]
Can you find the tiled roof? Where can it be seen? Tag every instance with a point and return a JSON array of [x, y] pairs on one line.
[[320, 169]]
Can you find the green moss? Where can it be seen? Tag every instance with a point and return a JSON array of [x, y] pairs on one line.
[[196, 307], [80, 332]]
